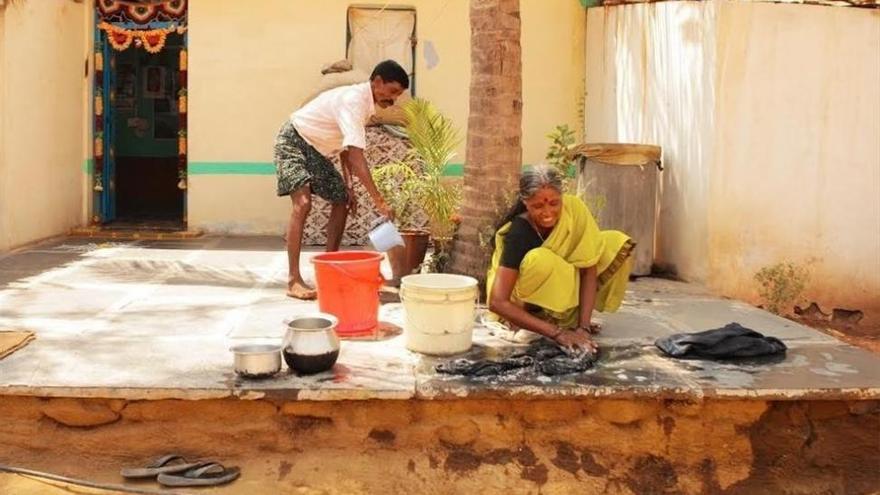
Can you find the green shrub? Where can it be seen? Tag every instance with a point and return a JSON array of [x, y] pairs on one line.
[[781, 285]]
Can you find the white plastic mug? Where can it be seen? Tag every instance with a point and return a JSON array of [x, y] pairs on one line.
[[385, 236]]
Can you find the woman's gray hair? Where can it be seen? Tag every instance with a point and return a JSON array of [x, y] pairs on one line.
[[536, 177], [530, 182]]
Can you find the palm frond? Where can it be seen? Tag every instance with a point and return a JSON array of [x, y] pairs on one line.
[[433, 136], [418, 178]]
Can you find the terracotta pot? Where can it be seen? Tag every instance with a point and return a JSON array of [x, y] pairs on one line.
[[407, 260]]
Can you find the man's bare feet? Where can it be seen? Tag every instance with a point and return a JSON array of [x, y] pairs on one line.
[[299, 290]]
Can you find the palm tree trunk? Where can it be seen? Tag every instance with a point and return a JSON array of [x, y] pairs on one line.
[[494, 134]]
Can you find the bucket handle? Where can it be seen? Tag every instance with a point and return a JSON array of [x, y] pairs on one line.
[[445, 300], [377, 282]]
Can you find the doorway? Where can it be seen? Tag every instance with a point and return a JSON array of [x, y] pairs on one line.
[[140, 145], [145, 143]]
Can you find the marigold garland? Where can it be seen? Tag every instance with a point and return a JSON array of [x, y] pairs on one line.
[[153, 40]]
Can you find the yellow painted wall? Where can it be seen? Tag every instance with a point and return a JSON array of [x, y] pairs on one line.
[[87, 108], [553, 71], [769, 119], [251, 65], [42, 119], [3, 216]]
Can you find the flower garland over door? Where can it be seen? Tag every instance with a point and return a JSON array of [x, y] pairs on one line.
[[147, 25], [144, 25]]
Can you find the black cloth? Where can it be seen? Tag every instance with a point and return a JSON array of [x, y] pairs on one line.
[[543, 357], [519, 240], [730, 341]]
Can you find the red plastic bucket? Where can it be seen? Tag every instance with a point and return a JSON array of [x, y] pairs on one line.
[[348, 285]]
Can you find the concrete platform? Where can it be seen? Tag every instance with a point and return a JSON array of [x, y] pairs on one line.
[[125, 328], [149, 319]]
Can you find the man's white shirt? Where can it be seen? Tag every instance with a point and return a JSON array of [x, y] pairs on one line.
[[336, 119]]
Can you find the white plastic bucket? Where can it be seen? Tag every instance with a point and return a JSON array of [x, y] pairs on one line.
[[385, 236], [439, 312]]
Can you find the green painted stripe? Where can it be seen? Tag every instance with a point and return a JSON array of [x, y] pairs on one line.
[[254, 168], [231, 168], [267, 168], [454, 170]]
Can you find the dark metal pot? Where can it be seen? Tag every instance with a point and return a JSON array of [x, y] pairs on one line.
[[311, 344]]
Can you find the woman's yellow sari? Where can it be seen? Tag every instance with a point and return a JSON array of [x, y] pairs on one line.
[[549, 276]]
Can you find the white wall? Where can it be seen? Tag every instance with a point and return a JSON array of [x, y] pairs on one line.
[[42, 120], [650, 80], [769, 119], [798, 149]]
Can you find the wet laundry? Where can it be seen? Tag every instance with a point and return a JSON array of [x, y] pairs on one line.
[[730, 341], [542, 356]]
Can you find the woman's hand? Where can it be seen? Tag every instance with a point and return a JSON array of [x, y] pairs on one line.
[[591, 328], [577, 340]]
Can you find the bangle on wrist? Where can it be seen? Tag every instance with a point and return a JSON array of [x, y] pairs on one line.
[[559, 331]]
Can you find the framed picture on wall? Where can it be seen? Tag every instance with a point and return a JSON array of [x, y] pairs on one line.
[[126, 81], [154, 81]]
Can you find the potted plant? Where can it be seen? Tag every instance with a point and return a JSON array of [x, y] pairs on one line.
[[434, 139], [398, 184], [416, 185], [562, 155]]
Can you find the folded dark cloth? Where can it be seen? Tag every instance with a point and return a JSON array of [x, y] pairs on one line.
[[730, 341], [542, 356]]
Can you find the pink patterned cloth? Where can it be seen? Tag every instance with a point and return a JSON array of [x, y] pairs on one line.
[[382, 147]]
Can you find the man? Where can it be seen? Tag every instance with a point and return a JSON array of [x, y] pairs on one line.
[[331, 123]]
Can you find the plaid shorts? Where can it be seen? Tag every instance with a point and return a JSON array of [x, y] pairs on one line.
[[298, 164]]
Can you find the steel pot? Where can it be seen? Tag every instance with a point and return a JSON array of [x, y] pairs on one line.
[[257, 360], [310, 343]]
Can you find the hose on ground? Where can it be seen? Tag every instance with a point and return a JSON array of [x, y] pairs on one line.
[[90, 484]]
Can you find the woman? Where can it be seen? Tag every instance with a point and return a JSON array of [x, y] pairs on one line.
[[552, 266]]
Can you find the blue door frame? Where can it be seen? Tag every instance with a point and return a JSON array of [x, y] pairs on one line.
[[108, 195]]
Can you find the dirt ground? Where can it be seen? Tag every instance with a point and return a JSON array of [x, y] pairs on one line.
[[865, 336], [25, 485], [463, 446]]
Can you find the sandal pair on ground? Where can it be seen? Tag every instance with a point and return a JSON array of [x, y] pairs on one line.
[[176, 470]]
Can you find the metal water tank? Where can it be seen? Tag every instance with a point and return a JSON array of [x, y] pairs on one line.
[[619, 183]]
